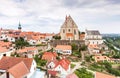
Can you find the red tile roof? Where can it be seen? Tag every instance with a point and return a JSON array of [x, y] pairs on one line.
[[8, 62], [26, 49], [49, 56], [64, 47], [102, 75], [19, 70], [64, 63], [101, 58], [3, 49], [69, 34]]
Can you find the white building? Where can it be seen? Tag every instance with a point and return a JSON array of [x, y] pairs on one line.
[[93, 37], [5, 52], [64, 49], [62, 66], [13, 67]]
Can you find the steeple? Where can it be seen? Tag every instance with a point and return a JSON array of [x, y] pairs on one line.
[[19, 27]]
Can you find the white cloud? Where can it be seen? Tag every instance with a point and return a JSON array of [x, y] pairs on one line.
[[48, 15]]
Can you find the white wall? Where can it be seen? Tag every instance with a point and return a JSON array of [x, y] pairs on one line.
[[33, 69], [7, 53]]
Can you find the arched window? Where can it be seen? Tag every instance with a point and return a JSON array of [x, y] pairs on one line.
[[75, 32], [63, 31], [68, 30]]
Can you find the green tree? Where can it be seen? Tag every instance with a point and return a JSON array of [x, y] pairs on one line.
[[74, 47], [21, 43], [83, 73], [57, 37]]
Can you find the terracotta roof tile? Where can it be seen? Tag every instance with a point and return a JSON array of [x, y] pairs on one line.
[[63, 47], [19, 70], [69, 34], [102, 75], [49, 56], [8, 62], [64, 63]]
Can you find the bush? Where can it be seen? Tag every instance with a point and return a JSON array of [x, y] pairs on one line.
[[83, 73], [73, 65]]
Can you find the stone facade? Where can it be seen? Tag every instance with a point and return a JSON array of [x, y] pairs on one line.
[[69, 30]]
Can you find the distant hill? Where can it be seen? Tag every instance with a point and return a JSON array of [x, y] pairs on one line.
[[111, 35]]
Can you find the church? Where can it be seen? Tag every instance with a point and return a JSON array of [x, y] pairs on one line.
[[69, 29]]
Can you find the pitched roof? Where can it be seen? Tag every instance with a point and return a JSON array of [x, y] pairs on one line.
[[64, 63], [49, 56], [102, 75], [3, 49], [93, 32], [101, 58], [69, 22], [19, 70], [5, 44], [8, 62], [63, 47], [26, 49]]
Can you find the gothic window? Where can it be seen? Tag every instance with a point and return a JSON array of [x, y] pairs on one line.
[[63, 31], [75, 32], [69, 30]]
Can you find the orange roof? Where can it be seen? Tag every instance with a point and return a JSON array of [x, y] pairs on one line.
[[19, 70], [22, 50], [64, 63], [63, 47], [93, 46], [101, 58], [102, 75], [26, 49], [31, 48], [8, 62], [69, 34], [5, 44], [49, 56], [3, 49]]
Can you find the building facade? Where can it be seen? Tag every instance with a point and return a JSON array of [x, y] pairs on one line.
[[69, 30], [93, 37]]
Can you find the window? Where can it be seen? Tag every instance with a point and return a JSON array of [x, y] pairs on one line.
[[63, 31], [4, 54], [68, 30], [97, 42], [74, 31], [98, 58]]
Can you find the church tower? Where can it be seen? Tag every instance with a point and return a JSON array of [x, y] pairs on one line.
[[69, 29], [19, 27]]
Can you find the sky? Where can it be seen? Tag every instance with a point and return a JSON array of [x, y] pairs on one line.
[[49, 15]]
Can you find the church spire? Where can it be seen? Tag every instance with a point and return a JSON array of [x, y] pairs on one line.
[[19, 27]]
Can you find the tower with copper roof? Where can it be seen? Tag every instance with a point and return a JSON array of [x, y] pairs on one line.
[[19, 27], [69, 29]]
